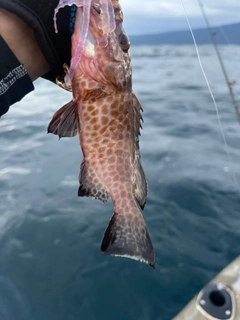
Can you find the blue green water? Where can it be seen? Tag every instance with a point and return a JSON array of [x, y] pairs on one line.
[[51, 266]]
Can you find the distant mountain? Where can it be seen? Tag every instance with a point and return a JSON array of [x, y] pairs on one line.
[[227, 34]]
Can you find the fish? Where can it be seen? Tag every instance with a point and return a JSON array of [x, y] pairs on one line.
[[107, 116]]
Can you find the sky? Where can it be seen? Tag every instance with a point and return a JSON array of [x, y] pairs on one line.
[[156, 16]]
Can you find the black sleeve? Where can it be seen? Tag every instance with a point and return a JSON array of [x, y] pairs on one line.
[[15, 82], [38, 15]]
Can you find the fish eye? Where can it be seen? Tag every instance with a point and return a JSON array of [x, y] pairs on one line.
[[124, 42]]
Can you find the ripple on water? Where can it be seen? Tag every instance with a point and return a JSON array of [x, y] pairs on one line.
[[50, 238]]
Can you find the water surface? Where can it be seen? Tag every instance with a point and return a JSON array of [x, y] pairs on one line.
[[51, 266]]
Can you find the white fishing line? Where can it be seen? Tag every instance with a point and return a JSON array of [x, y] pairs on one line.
[[212, 96]]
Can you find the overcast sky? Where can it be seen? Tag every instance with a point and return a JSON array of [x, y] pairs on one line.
[[155, 16]]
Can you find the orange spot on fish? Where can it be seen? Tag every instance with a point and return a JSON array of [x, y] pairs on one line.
[[90, 108], [123, 194], [109, 99], [111, 167], [111, 160], [120, 160], [125, 122], [96, 127], [95, 112], [119, 144], [93, 121], [120, 136], [94, 157], [114, 113], [105, 141], [112, 128], [115, 104], [105, 109], [108, 180], [104, 120], [103, 130], [118, 153], [120, 118], [116, 184], [99, 102], [109, 152], [113, 122]]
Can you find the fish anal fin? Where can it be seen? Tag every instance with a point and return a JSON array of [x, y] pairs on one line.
[[127, 236], [65, 122], [140, 184], [139, 180], [90, 184]]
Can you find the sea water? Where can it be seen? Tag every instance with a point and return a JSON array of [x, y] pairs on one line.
[[51, 266]]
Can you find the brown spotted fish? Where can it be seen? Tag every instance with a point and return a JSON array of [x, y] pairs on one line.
[[106, 115]]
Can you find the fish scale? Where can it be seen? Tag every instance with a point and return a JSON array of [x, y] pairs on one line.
[[107, 117]]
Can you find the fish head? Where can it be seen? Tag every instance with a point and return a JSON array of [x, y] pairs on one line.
[[105, 57]]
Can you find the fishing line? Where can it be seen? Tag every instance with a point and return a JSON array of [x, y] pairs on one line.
[[223, 34], [227, 40], [211, 94], [214, 42]]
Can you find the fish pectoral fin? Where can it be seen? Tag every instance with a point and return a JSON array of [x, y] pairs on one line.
[[127, 236], [65, 122], [90, 184], [140, 184]]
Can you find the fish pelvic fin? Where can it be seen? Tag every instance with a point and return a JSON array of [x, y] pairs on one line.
[[90, 184], [127, 236], [65, 122]]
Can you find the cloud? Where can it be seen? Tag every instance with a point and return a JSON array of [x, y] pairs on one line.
[[156, 16], [174, 8]]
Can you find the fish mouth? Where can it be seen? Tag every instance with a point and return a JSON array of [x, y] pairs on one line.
[[98, 29], [96, 7], [89, 49]]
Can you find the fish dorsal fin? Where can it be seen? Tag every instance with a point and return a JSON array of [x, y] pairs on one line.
[[139, 180], [137, 109], [90, 184], [65, 122]]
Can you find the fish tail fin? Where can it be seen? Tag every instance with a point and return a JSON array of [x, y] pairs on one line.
[[127, 236]]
